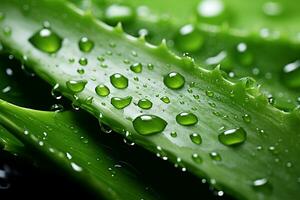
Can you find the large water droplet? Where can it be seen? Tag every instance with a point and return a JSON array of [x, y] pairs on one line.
[[262, 185], [186, 119], [149, 124], [174, 80], [136, 67], [189, 39], [76, 85], [233, 136], [145, 104], [102, 90], [196, 138], [119, 81], [118, 13], [46, 40], [85, 44], [291, 75], [121, 103]]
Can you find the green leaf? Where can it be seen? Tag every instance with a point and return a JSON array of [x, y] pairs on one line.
[[261, 167], [241, 50]]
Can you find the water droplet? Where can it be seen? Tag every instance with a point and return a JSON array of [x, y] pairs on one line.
[[246, 118], [291, 75], [85, 44], [173, 134], [272, 8], [174, 80], [215, 156], [76, 167], [209, 93], [119, 81], [80, 71], [136, 67], [271, 100], [55, 93], [101, 58], [145, 104], [76, 85], [165, 99], [189, 39], [118, 13], [102, 90], [186, 119], [233, 136], [196, 158], [150, 66], [262, 185], [196, 138], [121, 103], [149, 124], [210, 10], [57, 108], [83, 61], [46, 40]]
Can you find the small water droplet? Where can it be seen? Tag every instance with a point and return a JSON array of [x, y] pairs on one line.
[[186, 119], [173, 134], [271, 100], [119, 81], [136, 67], [211, 9], [145, 104], [291, 75], [55, 93], [165, 99], [76, 86], [233, 136], [118, 13], [189, 39], [196, 158], [246, 118], [149, 124], [121, 103], [83, 61], [102, 90], [101, 58], [196, 138], [174, 80], [215, 156], [150, 66], [46, 40], [272, 8], [85, 44], [209, 93], [76, 167], [57, 108], [80, 71], [262, 185]]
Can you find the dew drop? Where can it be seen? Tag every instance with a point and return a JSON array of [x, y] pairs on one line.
[[76, 85], [136, 67], [186, 119], [149, 124], [174, 80], [121, 103], [80, 71], [145, 104], [261, 185], [85, 44], [215, 156], [189, 39], [209, 93], [196, 158], [55, 93], [119, 81], [102, 90], [83, 61], [210, 9], [196, 138], [165, 99], [291, 75], [246, 118], [118, 13], [232, 137], [173, 134], [46, 40], [150, 66], [272, 8]]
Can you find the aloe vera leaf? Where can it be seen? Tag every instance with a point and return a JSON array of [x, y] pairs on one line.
[[76, 151], [262, 57], [222, 104], [129, 158]]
